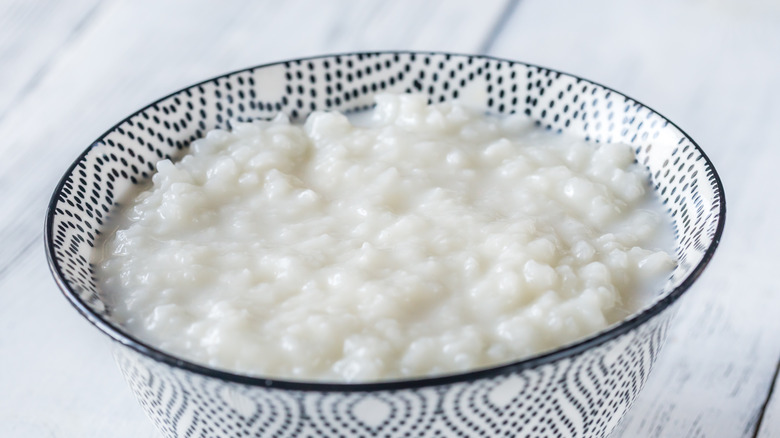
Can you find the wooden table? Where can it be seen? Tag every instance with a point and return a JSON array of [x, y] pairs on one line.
[[70, 69]]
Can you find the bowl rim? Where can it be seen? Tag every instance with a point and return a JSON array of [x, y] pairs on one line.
[[568, 350]]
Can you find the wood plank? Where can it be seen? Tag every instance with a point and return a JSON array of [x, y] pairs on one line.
[[58, 378], [770, 422], [31, 33], [127, 54], [708, 66]]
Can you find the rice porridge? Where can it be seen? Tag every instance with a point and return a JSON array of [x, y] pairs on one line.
[[419, 240]]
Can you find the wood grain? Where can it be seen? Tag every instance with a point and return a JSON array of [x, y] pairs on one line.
[[769, 421], [31, 34]]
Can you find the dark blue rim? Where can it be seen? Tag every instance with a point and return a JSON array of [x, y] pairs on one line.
[[389, 385]]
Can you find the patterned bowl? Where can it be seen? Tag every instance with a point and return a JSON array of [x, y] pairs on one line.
[[580, 390]]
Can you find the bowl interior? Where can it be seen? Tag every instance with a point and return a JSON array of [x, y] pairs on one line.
[[125, 156]]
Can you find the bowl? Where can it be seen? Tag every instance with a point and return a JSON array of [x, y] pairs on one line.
[[578, 390]]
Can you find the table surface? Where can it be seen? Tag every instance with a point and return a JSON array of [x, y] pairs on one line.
[[71, 69]]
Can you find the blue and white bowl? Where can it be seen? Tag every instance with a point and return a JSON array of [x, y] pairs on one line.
[[579, 390]]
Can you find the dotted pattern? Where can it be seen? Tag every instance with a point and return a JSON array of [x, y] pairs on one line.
[[383, 414], [579, 396], [102, 178]]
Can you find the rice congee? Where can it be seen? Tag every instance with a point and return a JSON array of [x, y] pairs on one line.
[[412, 240]]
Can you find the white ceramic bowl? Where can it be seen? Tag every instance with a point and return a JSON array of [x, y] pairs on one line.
[[579, 390]]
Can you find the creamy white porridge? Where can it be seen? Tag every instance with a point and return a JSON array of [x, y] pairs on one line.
[[425, 240]]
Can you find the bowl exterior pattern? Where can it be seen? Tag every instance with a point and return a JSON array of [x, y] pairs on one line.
[[579, 396], [577, 391]]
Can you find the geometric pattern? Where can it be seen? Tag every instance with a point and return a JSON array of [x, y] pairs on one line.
[[578, 390]]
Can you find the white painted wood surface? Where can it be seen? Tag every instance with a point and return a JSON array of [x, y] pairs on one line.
[[770, 425], [69, 70]]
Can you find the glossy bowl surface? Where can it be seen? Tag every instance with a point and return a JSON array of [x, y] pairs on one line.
[[581, 389]]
